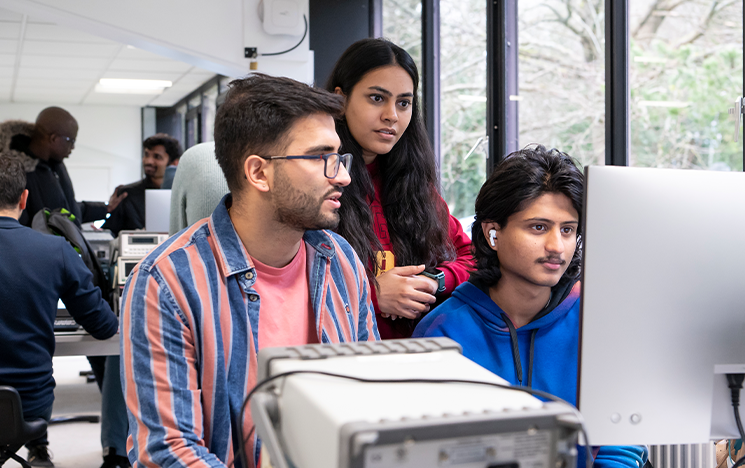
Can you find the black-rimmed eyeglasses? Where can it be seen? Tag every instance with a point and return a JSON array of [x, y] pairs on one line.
[[331, 162]]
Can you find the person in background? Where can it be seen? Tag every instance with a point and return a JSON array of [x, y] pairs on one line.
[[264, 270], [197, 188], [392, 214], [170, 174], [42, 147], [36, 270], [159, 151], [518, 314]]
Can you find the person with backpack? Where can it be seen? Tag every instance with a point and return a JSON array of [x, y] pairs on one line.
[[36, 270], [42, 147]]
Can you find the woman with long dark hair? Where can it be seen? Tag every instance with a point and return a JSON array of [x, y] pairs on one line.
[[416, 253]]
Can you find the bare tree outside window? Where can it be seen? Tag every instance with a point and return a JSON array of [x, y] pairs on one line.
[[685, 72], [462, 87], [561, 76]]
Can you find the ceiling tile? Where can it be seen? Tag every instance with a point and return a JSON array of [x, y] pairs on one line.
[[71, 49], [51, 74], [56, 83], [42, 96], [137, 100], [9, 30], [194, 82], [8, 46], [160, 65], [7, 60], [6, 15], [165, 101], [52, 32], [63, 65], [133, 53], [77, 90], [141, 75], [173, 95], [57, 62]]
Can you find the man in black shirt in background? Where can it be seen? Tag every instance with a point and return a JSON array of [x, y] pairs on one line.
[[159, 151]]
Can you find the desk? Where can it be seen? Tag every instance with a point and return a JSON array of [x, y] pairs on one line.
[[82, 344]]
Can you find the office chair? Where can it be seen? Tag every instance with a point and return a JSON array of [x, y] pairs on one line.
[[14, 431]]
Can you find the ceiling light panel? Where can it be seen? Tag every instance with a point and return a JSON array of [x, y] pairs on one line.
[[130, 86]]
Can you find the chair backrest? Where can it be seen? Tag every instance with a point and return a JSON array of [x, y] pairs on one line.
[[13, 429]]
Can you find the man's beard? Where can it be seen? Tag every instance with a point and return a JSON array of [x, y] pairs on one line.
[[299, 210]]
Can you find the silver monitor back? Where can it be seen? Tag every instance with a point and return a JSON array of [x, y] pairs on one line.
[[157, 210], [663, 301]]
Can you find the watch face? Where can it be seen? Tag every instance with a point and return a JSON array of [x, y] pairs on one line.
[[439, 276]]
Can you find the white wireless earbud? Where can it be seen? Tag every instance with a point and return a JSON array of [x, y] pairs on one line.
[[492, 237]]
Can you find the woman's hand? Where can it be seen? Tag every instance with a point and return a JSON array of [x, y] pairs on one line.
[[402, 293]]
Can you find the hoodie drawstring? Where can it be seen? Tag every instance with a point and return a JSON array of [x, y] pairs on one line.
[[530, 357], [516, 351]]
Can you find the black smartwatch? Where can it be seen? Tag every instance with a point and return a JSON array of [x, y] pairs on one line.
[[438, 276]]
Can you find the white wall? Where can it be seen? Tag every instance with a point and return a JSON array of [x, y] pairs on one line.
[[107, 151]]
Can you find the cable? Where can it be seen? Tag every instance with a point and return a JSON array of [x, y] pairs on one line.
[[734, 381], [530, 391], [305, 33]]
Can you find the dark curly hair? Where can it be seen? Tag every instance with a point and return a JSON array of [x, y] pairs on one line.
[[172, 145], [416, 217], [12, 181], [520, 178]]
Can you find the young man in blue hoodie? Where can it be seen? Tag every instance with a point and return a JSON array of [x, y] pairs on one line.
[[518, 315]]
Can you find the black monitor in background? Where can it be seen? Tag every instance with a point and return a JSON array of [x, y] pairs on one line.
[[663, 302]]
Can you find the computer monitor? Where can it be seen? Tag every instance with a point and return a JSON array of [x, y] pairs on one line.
[[663, 301], [157, 210]]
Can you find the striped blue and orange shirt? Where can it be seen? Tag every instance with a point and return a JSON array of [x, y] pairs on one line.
[[189, 328]]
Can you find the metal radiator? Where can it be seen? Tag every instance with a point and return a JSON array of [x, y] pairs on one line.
[[683, 456]]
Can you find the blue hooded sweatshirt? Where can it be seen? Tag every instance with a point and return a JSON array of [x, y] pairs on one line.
[[542, 354]]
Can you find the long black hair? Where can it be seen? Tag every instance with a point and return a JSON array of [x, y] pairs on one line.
[[417, 219], [519, 179]]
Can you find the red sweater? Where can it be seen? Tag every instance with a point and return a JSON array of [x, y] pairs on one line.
[[456, 272]]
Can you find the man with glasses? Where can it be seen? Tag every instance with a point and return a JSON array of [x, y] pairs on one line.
[[262, 271], [42, 147]]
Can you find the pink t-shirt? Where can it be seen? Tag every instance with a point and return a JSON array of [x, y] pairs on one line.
[[286, 317]]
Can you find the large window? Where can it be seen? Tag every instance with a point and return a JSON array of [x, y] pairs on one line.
[[463, 102], [685, 71], [462, 88], [192, 120], [402, 24], [561, 78]]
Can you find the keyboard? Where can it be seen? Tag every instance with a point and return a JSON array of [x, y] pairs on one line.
[[65, 324]]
